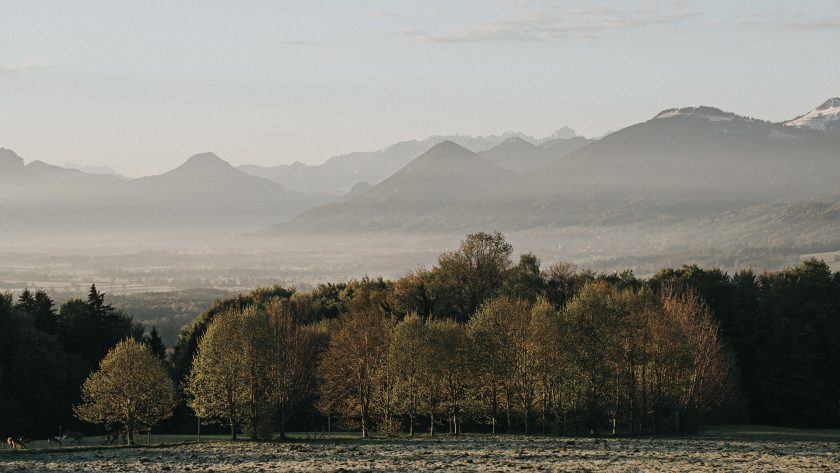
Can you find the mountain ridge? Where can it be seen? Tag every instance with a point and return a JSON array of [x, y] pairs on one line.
[[444, 174], [683, 163], [338, 174]]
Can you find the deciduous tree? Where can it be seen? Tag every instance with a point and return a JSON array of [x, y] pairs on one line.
[[131, 388]]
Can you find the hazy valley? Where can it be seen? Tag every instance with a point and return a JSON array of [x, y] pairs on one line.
[[690, 185]]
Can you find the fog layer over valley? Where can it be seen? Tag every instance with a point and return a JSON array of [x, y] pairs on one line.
[[690, 185]]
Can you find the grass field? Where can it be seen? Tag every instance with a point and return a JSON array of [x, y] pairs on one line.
[[730, 448], [762, 432]]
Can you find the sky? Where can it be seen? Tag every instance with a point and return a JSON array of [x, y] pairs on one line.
[[143, 85]]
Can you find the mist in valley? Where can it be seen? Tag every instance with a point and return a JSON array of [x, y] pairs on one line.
[[688, 186]]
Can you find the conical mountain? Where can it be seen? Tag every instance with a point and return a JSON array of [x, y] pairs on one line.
[[207, 170], [202, 164], [445, 175], [207, 189]]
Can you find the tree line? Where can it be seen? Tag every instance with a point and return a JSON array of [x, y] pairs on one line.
[[479, 342], [46, 353]]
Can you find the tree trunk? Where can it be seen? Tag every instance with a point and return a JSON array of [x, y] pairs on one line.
[[233, 426], [495, 408], [364, 421], [282, 422], [455, 416], [527, 416], [545, 409], [129, 428], [255, 421], [644, 399], [362, 402], [507, 410], [232, 417]]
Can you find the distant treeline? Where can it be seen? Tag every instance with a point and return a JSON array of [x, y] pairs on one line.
[[168, 312], [478, 342]]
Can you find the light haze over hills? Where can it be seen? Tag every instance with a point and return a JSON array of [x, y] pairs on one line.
[[683, 163], [205, 194], [668, 186], [340, 173]]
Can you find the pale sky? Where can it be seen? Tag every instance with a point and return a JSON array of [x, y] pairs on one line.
[[142, 85]]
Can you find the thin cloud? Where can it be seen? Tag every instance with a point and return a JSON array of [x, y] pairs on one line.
[[434, 11], [383, 14], [27, 65], [793, 19], [430, 12], [804, 24], [524, 23], [299, 43]]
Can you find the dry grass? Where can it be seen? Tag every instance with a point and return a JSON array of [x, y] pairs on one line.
[[471, 453]]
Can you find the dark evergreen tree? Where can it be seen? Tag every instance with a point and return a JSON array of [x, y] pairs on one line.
[[26, 302], [155, 343]]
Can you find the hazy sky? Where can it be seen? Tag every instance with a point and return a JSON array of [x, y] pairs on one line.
[[142, 85]]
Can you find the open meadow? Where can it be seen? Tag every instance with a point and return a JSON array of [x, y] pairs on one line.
[[740, 450]]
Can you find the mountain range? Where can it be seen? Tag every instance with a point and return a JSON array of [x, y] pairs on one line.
[[340, 173], [444, 174], [681, 164], [687, 176], [205, 194]]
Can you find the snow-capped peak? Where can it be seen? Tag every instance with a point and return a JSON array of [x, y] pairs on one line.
[[830, 103], [824, 117]]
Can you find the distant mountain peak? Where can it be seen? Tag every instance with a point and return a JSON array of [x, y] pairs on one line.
[[708, 113], [203, 166], [563, 133], [516, 140], [824, 117], [206, 160], [38, 164], [833, 102], [446, 148]]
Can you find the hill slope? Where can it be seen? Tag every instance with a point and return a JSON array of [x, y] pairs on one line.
[[204, 196], [340, 173], [686, 163], [683, 163], [444, 175]]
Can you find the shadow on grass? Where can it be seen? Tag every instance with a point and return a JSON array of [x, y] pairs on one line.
[[764, 432]]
